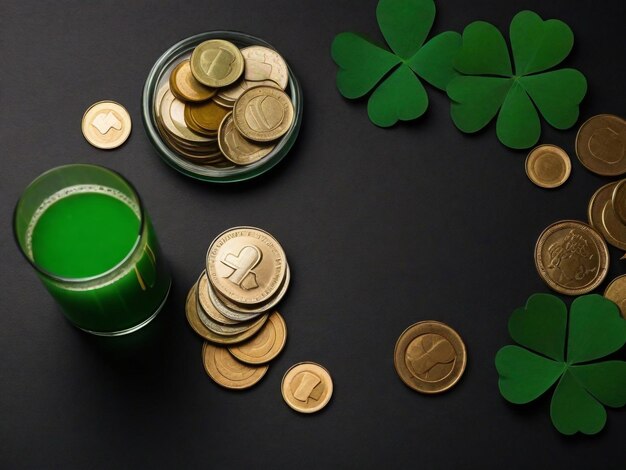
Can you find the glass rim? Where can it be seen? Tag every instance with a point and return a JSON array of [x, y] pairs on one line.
[[217, 175], [78, 280]]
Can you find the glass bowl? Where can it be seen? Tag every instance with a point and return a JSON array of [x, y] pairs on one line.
[[160, 73]]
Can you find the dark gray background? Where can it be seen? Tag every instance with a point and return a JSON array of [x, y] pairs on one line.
[[383, 228]]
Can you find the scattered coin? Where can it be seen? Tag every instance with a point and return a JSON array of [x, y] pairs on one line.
[[106, 125], [263, 113], [196, 95], [618, 199], [430, 357], [548, 166], [227, 371], [307, 387], [601, 145], [246, 264], [266, 345], [571, 257], [217, 63], [185, 87], [616, 292]]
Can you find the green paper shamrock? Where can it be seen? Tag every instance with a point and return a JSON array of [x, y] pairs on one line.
[[488, 84], [556, 351], [405, 24]]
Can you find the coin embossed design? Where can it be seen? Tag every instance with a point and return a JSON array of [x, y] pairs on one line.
[[307, 387], [264, 346], [571, 257], [227, 371], [430, 357], [191, 311], [616, 292], [618, 198], [263, 113], [601, 145], [603, 218], [263, 63], [106, 125], [185, 86], [216, 63], [237, 148], [548, 166], [246, 264]]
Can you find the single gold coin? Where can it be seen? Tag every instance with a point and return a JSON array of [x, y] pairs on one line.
[[601, 145], [185, 86], [106, 125], [603, 218], [191, 311], [616, 292], [227, 371], [263, 113], [548, 166], [618, 198], [216, 63], [571, 257], [208, 115], [246, 264], [430, 357], [263, 63], [236, 147], [264, 346], [307, 387]]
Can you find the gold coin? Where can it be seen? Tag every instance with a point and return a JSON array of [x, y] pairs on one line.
[[208, 115], [227, 312], [430, 357], [571, 257], [106, 125], [216, 63], [246, 264], [266, 345], [224, 330], [191, 311], [193, 125], [616, 292], [602, 217], [185, 86], [548, 166], [618, 199], [231, 308], [207, 305], [238, 149], [263, 114], [263, 63], [223, 101], [307, 387], [601, 145], [227, 371], [232, 93]]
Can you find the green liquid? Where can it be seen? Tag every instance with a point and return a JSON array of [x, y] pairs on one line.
[[90, 231], [84, 235]]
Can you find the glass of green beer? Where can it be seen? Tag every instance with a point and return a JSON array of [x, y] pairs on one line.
[[85, 231]]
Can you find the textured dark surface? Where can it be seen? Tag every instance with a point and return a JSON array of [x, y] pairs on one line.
[[382, 228]]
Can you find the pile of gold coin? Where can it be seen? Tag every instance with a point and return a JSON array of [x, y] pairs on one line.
[[224, 106], [232, 306], [430, 357]]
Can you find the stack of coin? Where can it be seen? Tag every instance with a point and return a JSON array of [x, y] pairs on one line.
[[607, 213], [223, 106], [232, 306]]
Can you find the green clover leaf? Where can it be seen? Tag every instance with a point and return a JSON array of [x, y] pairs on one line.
[[488, 86], [595, 330], [400, 95]]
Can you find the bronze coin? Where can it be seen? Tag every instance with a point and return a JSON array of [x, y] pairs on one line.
[[430, 357], [185, 86], [571, 257], [618, 198], [227, 371], [616, 292], [603, 218], [307, 387]]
